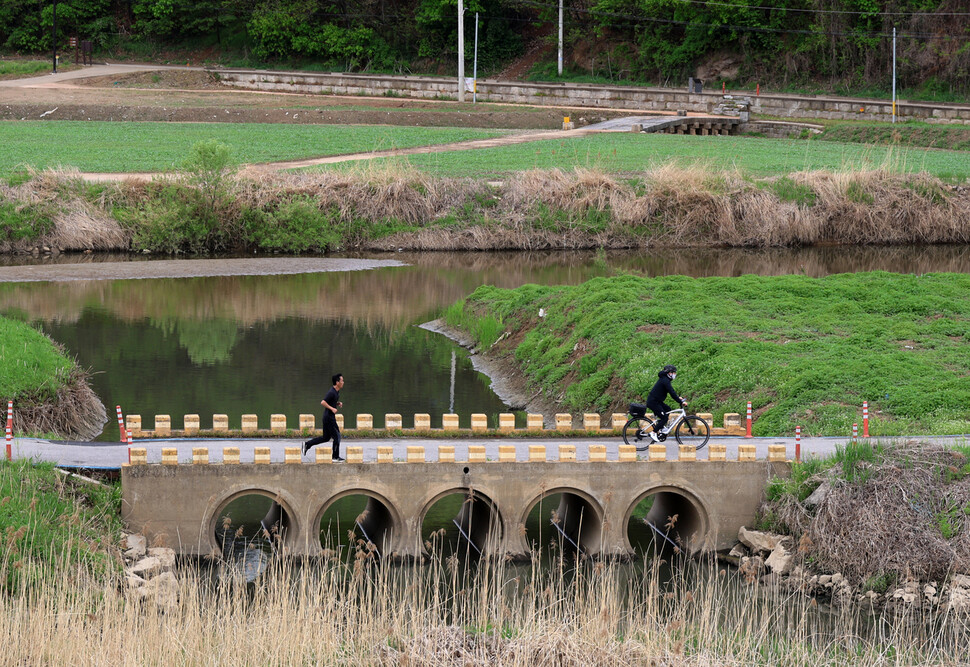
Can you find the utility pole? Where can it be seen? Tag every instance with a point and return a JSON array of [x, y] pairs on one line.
[[461, 51], [54, 37], [560, 37], [894, 74], [475, 65]]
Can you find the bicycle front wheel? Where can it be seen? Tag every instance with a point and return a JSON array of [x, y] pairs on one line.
[[635, 432], [693, 431]]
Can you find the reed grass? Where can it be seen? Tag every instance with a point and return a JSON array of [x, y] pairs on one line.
[[444, 611], [76, 606]]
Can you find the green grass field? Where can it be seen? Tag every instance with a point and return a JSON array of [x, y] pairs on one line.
[[755, 156], [805, 351], [24, 67], [126, 147]]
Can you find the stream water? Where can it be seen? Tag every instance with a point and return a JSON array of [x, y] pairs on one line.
[[264, 344]]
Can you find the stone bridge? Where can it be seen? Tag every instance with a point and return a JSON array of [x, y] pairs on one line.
[[180, 505]]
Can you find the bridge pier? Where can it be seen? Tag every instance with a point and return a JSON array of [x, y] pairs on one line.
[[701, 503]]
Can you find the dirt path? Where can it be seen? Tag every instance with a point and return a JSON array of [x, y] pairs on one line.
[[476, 144]]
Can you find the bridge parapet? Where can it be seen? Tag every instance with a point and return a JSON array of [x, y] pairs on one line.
[[588, 424]]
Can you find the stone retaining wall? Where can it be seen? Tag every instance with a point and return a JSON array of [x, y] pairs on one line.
[[593, 96]]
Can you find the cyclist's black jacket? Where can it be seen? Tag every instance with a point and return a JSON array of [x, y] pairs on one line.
[[662, 389]]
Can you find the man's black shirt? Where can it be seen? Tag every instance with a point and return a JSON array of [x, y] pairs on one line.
[[332, 399]]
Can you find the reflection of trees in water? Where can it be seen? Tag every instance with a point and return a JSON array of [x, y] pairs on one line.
[[396, 297], [205, 341]]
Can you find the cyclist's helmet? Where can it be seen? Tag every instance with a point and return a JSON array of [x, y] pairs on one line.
[[670, 368]]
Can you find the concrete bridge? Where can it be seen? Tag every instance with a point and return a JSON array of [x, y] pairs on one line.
[[180, 505]]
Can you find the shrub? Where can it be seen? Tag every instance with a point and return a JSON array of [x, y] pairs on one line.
[[174, 219], [297, 225]]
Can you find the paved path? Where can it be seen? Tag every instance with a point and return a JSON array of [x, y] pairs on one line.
[[110, 456]]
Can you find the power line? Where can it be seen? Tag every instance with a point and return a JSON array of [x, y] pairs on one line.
[[821, 11], [638, 20]]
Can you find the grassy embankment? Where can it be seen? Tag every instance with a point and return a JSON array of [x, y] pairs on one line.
[[207, 210], [805, 351], [50, 391], [58, 533], [909, 134]]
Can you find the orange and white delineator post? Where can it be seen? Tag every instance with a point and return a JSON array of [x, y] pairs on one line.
[[9, 430], [798, 443], [865, 419], [747, 428], [121, 425], [855, 433]]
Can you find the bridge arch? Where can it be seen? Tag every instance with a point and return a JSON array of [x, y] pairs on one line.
[[380, 520], [692, 527], [479, 521], [280, 512], [579, 516]]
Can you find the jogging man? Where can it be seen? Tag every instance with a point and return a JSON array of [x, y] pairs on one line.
[[331, 403], [655, 400]]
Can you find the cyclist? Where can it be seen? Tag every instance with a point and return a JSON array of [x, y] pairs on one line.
[[655, 400]]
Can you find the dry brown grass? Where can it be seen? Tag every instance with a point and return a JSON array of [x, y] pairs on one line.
[[671, 205], [893, 523], [78, 223], [573, 191], [76, 413], [370, 192]]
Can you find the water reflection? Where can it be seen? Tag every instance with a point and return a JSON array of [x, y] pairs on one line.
[[268, 343]]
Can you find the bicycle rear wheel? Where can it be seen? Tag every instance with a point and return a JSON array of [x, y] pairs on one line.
[[636, 432], [693, 431]]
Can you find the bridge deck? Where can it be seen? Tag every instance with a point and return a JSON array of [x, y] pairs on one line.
[[111, 456]]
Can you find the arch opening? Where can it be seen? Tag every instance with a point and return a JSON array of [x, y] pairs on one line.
[[665, 521], [565, 522], [356, 523], [461, 522], [249, 528]]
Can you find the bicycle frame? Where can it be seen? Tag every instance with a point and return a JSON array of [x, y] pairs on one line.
[[674, 417]]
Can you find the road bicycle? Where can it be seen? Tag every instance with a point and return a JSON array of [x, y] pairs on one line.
[[687, 429]]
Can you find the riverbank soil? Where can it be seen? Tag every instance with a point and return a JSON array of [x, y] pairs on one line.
[[193, 95]]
